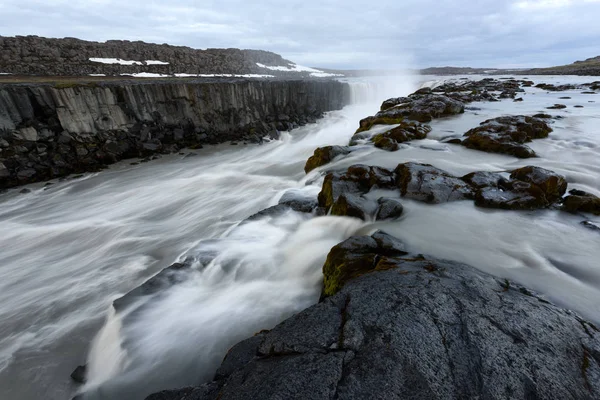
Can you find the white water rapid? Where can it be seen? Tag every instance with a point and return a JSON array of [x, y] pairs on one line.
[[69, 251]]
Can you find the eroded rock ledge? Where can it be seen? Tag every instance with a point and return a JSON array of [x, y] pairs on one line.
[[408, 326], [50, 131]]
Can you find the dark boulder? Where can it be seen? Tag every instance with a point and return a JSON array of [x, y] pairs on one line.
[[79, 374], [358, 179], [429, 184], [528, 188], [324, 155], [389, 209], [351, 205], [523, 196], [507, 135], [420, 108], [480, 180], [405, 132], [298, 202], [557, 107], [580, 201], [553, 185]]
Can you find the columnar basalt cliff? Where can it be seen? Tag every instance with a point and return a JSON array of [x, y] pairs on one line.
[[50, 131], [33, 55]]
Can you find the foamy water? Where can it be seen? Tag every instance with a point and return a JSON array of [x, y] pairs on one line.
[[69, 251]]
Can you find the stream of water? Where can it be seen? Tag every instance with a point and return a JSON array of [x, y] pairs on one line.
[[70, 249]]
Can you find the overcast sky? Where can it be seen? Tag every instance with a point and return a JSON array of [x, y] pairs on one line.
[[326, 33]]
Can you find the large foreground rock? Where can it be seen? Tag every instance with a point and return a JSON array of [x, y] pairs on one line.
[[416, 328]]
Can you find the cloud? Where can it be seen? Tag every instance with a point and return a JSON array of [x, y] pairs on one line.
[[327, 33]]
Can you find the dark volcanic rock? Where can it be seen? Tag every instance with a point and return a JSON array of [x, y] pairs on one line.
[[405, 132], [426, 183], [580, 201], [555, 88], [529, 188], [420, 108], [351, 205], [49, 131], [389, 209], [402, 327], [358, 179], [324, 155], [557, 107], [553, 185], [79, 374], [507, 135]]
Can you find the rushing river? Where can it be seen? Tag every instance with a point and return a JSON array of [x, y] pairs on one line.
[[68, 250]]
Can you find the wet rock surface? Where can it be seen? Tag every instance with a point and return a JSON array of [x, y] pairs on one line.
[[324, 155], [405, 132], [580, 201], [507, 135], [526, 188], [416, 107], [395, 325], [429, 184]]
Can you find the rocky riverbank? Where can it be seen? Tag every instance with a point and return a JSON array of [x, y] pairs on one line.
[[48, 131], [393, 324]]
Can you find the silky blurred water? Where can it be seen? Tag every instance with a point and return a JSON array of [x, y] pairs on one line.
[[70, 249]]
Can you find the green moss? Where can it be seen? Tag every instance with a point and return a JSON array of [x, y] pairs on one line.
[[382, 141], [320, 157], [339, 269], [326, 194]]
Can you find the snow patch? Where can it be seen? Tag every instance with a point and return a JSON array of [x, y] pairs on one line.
[[292, 68], [324, 74], [115, 61], [146, 75], [223, 76], [97, 74], [5, 73], [156, 62]]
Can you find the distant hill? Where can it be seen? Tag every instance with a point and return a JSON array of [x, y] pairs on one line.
[[39, 56], [591, 67]]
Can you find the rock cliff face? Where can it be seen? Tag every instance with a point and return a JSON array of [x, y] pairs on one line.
[[33, 55], [50, 131]]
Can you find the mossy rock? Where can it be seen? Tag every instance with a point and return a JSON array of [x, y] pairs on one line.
[[324, 155], [367, 123], [553, 185], [580, 201], [384, 142], [348, 205], [357, 256]]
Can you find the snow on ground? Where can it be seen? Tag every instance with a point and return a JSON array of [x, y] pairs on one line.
[[97, 74], [291, 68], [156, 62], [146, 75], [5, 73], [324, 74], [115, 61], [223, 76]]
